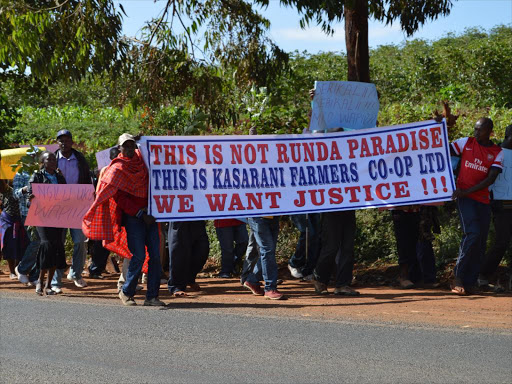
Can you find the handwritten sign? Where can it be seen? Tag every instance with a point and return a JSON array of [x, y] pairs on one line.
[[193, 178], [344, 104], [103, 158], [59, 205]]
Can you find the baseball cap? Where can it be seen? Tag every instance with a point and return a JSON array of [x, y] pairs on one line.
[[124, 138], [64, 132]]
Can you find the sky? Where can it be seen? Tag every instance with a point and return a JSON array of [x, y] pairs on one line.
[[288, 35]]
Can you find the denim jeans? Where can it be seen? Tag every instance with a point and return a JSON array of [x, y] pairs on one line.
[[140, 236], [78, 260], [231, 256], [338, 235], [299, 259], [266, 232], [475, 218], [28, 264], [251, 269]]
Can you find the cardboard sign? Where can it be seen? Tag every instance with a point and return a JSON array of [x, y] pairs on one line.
[[344, 104], [59, 205], [103, 158], [193, 178]]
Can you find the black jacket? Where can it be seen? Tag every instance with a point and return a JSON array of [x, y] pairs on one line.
[[39, 177], [84, 172]]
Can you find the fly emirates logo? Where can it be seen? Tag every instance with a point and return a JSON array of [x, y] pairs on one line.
[[477, 165]]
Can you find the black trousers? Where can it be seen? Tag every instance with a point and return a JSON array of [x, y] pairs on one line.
[[406, 226], [338, 235], [502, 219], [99, 257], [188, 251]]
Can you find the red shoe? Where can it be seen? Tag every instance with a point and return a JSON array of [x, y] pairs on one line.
[[273, 295], [254, 288]]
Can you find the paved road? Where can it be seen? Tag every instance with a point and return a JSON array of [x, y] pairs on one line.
[[52, 340]]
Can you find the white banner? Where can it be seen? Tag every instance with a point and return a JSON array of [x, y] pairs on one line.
[[207, 177]]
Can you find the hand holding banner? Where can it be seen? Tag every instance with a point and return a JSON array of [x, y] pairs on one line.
[[59, 205]]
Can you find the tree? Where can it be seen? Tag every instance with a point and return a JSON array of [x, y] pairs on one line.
[[200, 49], [411, 15], [60, 39]]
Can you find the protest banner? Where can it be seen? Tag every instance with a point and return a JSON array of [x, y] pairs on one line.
[[59, 205], [9, 157], [192, 178], [103, 158], [344, 104], [48, 147]]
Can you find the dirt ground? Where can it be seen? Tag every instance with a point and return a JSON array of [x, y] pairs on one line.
[[423, 307]]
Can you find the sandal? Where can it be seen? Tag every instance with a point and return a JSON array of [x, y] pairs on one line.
[[458, 290], [406, 283], [49, 292], [39, 289], [194, 287], [179, 294]]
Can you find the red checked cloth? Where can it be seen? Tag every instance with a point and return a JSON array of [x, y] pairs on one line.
[[103, 220]]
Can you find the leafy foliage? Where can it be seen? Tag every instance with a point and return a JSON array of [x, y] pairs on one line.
[[8, 119], [411, 15], [60, 40]]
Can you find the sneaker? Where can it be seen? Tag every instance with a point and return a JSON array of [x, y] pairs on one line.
[[57, 290], [320, 288], [345, 291], [295, 272], [13, 276], [80, 283], [69, 277], [154, 302], [127, 300], [137, 288], [96, 276], [39, 289], [307, 278], [254, 288], [273, 294], [23, 279]]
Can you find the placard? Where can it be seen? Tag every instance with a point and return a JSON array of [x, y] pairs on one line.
[[59, 205], [192, 178], [344, 104]]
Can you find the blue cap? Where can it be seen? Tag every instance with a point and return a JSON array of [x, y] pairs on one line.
[[64, 132]]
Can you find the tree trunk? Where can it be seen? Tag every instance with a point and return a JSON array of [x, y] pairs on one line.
[[356, 39]]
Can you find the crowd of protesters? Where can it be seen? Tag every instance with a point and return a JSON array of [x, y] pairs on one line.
[[118, 222]]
